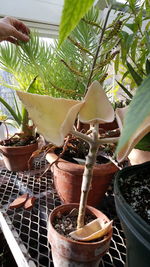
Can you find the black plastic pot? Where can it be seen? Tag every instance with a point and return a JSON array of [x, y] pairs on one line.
[[136, 230]]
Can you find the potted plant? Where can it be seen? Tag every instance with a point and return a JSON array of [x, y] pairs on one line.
[[43, 110], [24, 75], [133, 65], [55, 128], [132, 183], [79, 55], [68, 171], [18, 148]]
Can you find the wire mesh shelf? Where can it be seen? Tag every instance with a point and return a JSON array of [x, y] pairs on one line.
[[29, 227]]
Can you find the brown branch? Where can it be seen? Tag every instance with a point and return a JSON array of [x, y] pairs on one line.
[[98, 48]]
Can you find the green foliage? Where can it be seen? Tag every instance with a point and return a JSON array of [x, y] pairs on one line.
[[139, 109], [73, 11], [135, 44], [15, 115], [144, 143], [74, 59], [134, 74]]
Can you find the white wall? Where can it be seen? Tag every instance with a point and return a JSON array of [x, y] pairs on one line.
[[42, 14]]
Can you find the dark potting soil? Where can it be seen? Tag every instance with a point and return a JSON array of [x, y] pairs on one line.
[[136, 190], [16, 141], [77, 148], [66, 223]]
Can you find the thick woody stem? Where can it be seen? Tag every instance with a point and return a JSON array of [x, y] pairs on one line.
[[87, 176]]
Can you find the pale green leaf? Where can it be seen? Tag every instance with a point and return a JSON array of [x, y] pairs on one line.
[[116, 63], [137, 78], [73, 11], [138, 113]]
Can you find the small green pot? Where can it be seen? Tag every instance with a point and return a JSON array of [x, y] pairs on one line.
[[136, 230]]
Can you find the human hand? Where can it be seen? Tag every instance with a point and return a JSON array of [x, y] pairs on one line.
[[13, 30]]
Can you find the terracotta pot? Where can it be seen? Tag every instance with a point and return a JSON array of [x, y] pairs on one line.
[[67, 252], [138, 156], [68, 179], [16, 158]]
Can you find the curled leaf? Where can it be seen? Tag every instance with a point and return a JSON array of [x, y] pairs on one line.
[[133, 141], [120, 114], [97, 107], [53, 117], [93, 230]]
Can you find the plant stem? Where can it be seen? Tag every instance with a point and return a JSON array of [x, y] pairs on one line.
[[98, 48], [25, 119], [82, 136], [87, 175], [7, 134]]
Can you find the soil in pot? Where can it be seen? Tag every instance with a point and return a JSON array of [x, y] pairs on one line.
[[68, 252], [67, 223], [17, 151], [136, 190], [68, 172], [132, 191]]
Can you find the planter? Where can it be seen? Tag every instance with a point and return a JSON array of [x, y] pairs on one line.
[[67, 252], [136, 230], [16, 158], [68, 179], [138, 156]]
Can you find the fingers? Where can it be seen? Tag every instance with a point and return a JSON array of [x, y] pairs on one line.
[[21, 27], [12, 29], [20, 36], [11, 40]]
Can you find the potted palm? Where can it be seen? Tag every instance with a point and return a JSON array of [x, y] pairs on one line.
[[21, 63], [18, 148]]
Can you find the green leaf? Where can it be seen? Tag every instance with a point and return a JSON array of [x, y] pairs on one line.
[[125, 75], [31, 88], [134, 74], [73, 11], [138, 110], [133, 27], [147, 66], [125, 90], [117, 63], [129, 41], [17, 108], [12, 112], [144, 144], [147, 36], [134, 48], [123, 37]]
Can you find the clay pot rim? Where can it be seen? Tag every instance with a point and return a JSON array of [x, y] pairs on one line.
[[51, 216], [19, 147], [51, 156]]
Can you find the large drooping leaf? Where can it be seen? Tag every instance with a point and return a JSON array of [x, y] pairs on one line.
[[137, 120], [55, 117], [73, 11]]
